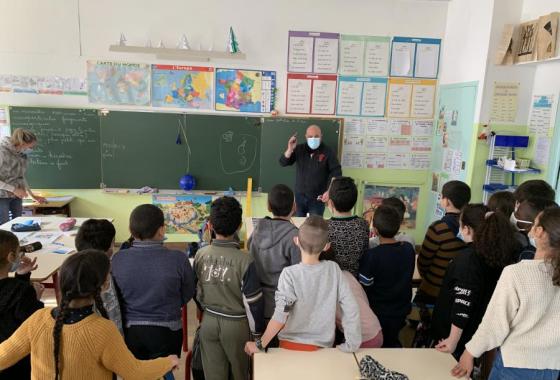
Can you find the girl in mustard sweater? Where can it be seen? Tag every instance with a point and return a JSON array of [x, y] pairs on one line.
[[71, 341]]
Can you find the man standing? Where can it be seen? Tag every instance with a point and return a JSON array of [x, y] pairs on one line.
[[316, 165]]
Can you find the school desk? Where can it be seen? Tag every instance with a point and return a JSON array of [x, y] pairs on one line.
[[54, 205], [332, 364], [48, 262]]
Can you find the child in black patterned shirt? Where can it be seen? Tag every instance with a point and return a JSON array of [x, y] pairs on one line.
[[348, 233]]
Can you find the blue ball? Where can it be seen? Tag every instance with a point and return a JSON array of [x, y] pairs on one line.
[[187, 182]]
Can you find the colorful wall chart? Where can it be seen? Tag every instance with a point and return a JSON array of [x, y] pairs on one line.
[[361, 96], [415, 57], [311, 94], [50, 85], [188, 87], [313, 52], [411, 98], [374, 194], [118, 83], [184, 214], [245, 90], [374, 143], [364, 56]]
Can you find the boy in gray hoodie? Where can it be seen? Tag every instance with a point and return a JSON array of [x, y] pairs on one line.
[[272, 243]]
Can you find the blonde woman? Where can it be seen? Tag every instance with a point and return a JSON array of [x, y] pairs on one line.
[[13, 164]]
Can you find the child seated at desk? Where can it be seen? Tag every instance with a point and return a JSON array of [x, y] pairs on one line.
[[386, 274], [348, 233], [99, 234], [153, 283], [307, 296], [18, 298], [272, 243], [71, 341]]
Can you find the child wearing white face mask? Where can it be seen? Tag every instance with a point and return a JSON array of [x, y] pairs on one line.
[[471, 277], [522, 219], [523, 315]]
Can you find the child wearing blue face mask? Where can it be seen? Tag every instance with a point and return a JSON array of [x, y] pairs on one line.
[[316, 166], [471, 277]]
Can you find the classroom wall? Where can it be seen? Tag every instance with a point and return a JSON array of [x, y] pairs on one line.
[[48, 40], [53, 40], [547, 80]]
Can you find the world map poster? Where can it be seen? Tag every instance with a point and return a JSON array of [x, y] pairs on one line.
[[245, 90], [188, 87], [118, 83]]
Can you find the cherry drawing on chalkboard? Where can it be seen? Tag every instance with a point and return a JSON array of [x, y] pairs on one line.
[[238, 152]]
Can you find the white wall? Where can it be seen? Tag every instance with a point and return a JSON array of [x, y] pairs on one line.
[[506, 12], [46, 38], [466, 41]]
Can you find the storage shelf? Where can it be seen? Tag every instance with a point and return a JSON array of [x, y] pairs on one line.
[[534, 63], [179, 54], [493, 187], [494, 165]]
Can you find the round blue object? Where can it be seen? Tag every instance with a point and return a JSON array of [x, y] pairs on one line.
[[187, 182]]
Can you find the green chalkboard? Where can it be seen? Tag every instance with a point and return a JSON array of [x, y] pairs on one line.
[[275, 135], [156, 149], [67, 154]]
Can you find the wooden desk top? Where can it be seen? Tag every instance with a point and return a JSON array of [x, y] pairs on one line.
[[332, 364], [47, 260], [54, 202]]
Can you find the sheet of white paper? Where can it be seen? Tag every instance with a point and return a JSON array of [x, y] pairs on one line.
[[427, 59], [66, 198], [326, 56], [375, 160], [422, 127], [376, 144], [421, 143], [353, 144], [402, 59], [352, 160], [300, 55], [351, 57], [421, 161], [354, 125], [423, 101], [373, 99], [400, 96], [540, 118], [542, 151], [397, 161], [349, 97], [504, 102], [377, 127], [44, 237], [377, 59], [324, 96], [299, 96]]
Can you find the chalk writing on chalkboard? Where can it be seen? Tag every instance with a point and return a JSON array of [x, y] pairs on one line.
[[238, 152]]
